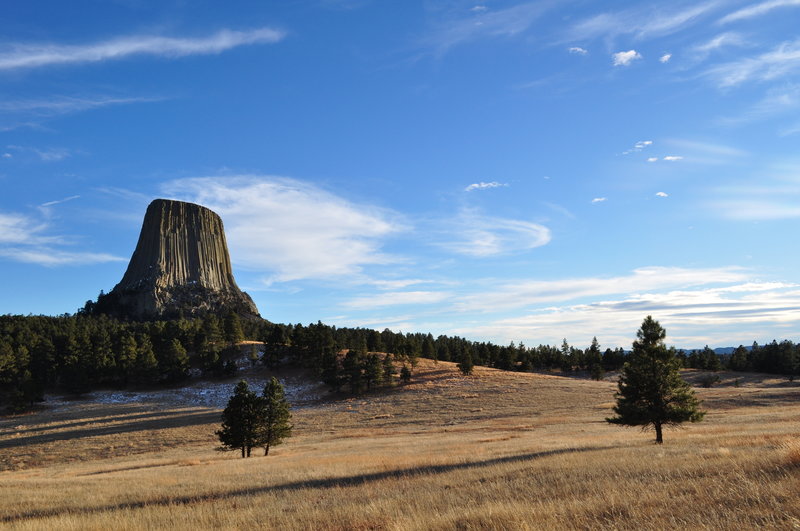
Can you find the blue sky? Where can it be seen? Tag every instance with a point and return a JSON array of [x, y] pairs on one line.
[[521, 170]]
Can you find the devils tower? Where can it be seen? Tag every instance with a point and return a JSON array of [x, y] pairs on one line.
[[180, 268]]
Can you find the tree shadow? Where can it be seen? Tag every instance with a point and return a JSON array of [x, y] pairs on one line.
[[155, 422], [100, 418], [322, 483]]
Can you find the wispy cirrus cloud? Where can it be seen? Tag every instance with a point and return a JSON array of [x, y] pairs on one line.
[[49, 257], [778, 101], [52, 154], [59, 105], [26, 56], [26, 239], [642, 22], [474, 234], [777, 63], [703, 50], [452, 31], [770, 195], [292, 230], [396, 298], [703, 152], [578, 50], [531, 293], [757, 10]]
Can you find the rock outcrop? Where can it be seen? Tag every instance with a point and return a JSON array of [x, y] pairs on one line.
[[180, 268]]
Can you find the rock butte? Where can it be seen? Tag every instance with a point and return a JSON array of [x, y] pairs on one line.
[[181, 267]]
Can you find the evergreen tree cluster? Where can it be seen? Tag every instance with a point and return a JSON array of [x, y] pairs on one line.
[[76, 353], [251, 421]]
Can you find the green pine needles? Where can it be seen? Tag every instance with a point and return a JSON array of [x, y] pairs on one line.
[[250, 421], [651, 392]]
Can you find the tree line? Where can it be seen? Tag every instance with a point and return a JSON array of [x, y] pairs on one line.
[[78, 353]]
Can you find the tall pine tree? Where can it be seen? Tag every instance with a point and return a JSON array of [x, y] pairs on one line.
[[242, 421], [651, 392], [275, 427]]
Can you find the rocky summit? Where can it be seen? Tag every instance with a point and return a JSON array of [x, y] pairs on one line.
[[180, 268]]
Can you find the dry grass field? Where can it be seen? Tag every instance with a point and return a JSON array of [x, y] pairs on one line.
[[496, 450]]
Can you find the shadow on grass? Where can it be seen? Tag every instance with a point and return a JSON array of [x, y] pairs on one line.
[[101, 418], [156, 421], [323, 483]]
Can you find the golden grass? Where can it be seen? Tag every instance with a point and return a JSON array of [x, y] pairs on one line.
[[494, 451]]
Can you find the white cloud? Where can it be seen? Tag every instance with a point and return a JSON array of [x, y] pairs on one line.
[[719, 316], [781, 61], [662, 194], [292, 230], [578, 50], [476, 235], [478, 9], [720, 41], [638, 146], [643, 22], [652, 159], [44, 154], [60, 105], [49, 257], [673, 158], [508, 22], [484, 186], [757, 10], [24, 239], [625, 58], [531, 293], [16, 228], [775, 197], [395, 298], [598, 199], [38, 55], [665, 58], [8, 156], [397, 283], [777, 101], [702, 51], [59, 201], [707, 152], [757, 209]]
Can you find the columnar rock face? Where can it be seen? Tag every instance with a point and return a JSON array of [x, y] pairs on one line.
[[181, 267]]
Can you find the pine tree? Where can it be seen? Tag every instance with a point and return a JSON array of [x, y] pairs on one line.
[[373, 371], [242, 421], [594, 360], [233, 328], [465, 363], [389, 371], [276, 418], [651, 392]]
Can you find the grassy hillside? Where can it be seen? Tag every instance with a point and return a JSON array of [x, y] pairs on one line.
[[495, 450]]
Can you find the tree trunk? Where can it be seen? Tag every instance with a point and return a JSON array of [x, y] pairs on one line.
[[248, 451], [242, 452], [266, 450], [659, 439]]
